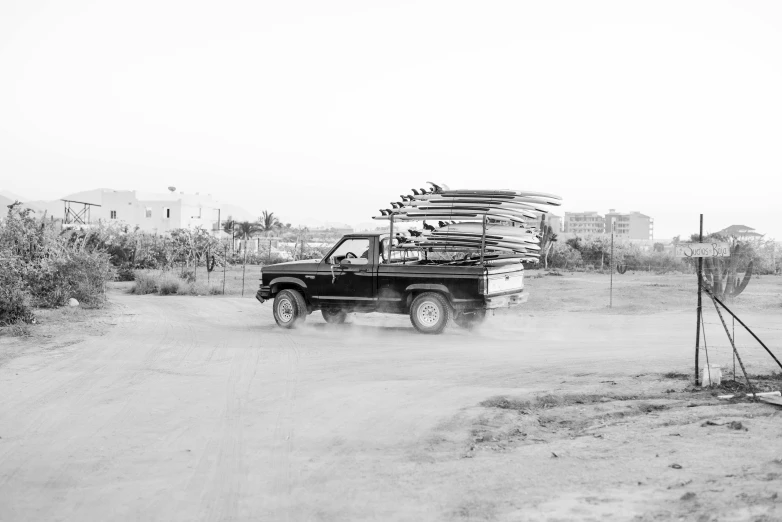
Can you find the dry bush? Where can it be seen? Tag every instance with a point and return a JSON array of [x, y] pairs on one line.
[[17, 329], [145, 284], [169, 284]]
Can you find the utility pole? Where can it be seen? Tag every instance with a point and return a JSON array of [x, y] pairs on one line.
[[698, 314], [611, 291]]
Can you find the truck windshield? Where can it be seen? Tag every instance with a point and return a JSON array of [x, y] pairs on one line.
[[357, 249]]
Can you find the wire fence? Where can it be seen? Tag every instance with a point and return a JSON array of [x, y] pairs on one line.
[[716, 349]]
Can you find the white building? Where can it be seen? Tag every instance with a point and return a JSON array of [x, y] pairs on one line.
[[152, 212]]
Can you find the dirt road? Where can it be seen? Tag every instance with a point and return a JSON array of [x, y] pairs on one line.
[[202, 409]]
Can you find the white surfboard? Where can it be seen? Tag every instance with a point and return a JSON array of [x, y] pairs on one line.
[[495, 230], [471, 208]]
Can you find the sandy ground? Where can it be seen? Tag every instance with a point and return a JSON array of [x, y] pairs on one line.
[[197, 408]]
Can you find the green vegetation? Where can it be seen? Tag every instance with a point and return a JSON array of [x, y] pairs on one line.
[[747, 256], [168, 283], [42, 267]]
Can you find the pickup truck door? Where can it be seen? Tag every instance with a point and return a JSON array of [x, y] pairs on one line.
[[346, 277]]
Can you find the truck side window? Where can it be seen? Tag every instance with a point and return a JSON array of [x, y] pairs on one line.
[[354, 250], [396, 256]]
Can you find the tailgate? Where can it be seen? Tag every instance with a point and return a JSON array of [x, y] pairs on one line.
[[504, 279]]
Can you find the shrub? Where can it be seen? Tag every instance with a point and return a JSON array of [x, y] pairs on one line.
[[145, 284], [83, 275], [188, 275], [15, 306], [70, 273], [15, 299], [39, 267], [169, 284], [125, 273]]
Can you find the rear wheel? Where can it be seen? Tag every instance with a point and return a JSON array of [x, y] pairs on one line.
[[334, 315], [290, 309], [469, 320], [430, 313]]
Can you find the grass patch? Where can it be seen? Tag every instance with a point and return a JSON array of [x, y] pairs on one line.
[[169, 283], [677, 375], [17, 329], [543, 402], [204, 284]]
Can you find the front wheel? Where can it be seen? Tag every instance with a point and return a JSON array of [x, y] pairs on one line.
[[334, 315], [469, 320], [290, 308], [430, 313]]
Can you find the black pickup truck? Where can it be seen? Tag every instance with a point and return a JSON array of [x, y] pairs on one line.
[[359, 275]]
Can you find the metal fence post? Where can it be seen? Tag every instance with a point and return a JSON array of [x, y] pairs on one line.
[[698, 313]]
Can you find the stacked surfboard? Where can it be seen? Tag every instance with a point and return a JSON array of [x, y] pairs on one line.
[[494, 221]]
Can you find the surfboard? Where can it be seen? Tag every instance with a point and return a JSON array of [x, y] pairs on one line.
[[523, 202], [457, 247], [536, 207], [477, 228], [540, 200], [516, 247], [455, 216], [471, 208], [532, 240], [475, 211], [503, 192]]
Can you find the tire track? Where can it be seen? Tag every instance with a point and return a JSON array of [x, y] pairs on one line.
[[284, 436]]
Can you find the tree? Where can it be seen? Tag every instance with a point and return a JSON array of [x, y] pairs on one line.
[[269, 224], [246, 230], [228, 225], [563, 255], [720, 273]]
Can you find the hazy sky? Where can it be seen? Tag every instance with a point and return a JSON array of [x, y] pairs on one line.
[[328, 110]]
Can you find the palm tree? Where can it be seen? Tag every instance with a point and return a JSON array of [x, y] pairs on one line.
[[268, 223], [228, 225], [245, 230]]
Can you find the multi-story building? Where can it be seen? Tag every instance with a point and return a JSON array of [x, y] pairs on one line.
[[553, 220], [588, 222], [152, 212], [632, 225]]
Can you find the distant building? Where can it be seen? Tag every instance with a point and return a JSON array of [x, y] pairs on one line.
[[740, 232], [153, 212], [553, 220], [330, 231], [588, 222], [632, 225]]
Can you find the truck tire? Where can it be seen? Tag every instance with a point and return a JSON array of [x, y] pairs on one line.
[[430, 313], [334, 315], [471, 320], [290, 309]]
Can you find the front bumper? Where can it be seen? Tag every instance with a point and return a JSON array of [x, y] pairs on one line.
[[506, 301], [263, 294]]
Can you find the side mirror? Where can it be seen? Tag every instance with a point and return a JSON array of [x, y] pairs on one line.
[[345, 262]]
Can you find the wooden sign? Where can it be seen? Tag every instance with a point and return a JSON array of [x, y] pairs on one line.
[[703, 250]]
